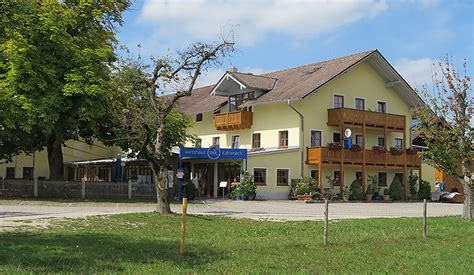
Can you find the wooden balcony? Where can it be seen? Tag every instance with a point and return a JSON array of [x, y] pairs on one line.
[[233, 120], [348, 116], [315, 155]]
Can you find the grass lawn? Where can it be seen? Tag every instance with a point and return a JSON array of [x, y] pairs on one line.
[[149, 243]]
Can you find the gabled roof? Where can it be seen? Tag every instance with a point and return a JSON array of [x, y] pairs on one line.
[[200, 101], [300, 82]]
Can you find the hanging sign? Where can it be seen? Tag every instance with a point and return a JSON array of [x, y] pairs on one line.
[[213, 153]]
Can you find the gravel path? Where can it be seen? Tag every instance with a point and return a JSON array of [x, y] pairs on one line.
[[14, 213]]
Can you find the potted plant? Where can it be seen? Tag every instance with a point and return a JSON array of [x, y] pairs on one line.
[[346, 194], [396, 150], [378, 149], [411, 151], [303, 191], [316, 195], [369, 193], [386, 195], [243, 190], [335, 146], [356, 148], [412, 183], [373, 187]]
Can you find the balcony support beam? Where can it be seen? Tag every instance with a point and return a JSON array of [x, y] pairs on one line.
[[363, 157]]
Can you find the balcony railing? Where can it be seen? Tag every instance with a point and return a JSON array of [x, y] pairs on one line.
[[361, 117], [233, 120], [315, 155]]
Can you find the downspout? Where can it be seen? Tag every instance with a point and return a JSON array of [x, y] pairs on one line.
[[301, 137]]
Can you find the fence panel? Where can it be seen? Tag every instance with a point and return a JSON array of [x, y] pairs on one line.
[[16, 188]]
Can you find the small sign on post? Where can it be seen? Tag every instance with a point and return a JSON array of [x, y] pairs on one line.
[[223, 185]]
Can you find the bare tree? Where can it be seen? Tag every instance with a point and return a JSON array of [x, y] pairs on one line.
[[446, 127], [144, 119]]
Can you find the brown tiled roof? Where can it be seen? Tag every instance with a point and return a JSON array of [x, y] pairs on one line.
[[296, 83], [255, 81], [290, 84], [200, 101]]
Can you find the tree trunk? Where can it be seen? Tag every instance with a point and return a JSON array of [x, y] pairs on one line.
[[55, 159], [162, 195], [468, 207]]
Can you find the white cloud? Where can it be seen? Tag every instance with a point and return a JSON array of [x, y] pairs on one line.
[[250, 20], [417, 72]]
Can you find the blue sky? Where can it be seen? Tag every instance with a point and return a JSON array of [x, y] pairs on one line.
[[272, 35]]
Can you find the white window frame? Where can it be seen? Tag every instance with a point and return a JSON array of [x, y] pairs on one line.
[[395, 142], [311, 170], [343, 100], [322, 136], [355, 139], [202, 118], [288, 138], [219, 137], [276, 176], [266, 175], [384, 140], [232, 142], [377, 106], [332, 135], [365, 102], [251, 139], [332, 175]]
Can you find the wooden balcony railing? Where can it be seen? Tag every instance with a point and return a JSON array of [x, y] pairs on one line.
[[233, 120], [315, 155], [359, 117]]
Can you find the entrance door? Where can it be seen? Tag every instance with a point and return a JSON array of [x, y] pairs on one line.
[[230, 172], [205, 174]]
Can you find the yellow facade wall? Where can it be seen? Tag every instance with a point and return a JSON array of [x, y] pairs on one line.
[[72, 151]]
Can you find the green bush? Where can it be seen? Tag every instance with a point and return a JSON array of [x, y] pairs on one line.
[[425, 190], [412, 182], [356, 190], [246, 187], [396, 190], [303, 188]]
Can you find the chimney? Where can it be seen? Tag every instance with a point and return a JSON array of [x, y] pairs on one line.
[[232, 69]]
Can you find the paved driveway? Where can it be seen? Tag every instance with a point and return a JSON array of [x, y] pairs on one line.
[[14, 211]]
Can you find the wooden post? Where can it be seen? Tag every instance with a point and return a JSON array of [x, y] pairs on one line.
[[404, 148], [424, 218], [129, 189], [35, 187], [363, 157], [183, 226]]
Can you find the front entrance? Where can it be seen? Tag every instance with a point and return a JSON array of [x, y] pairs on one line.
[[204, 172], [230, 172]]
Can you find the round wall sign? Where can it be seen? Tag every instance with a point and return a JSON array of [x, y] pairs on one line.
[[214, 152], [347, 133]]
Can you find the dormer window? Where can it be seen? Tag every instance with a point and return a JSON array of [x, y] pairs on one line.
[[198, 117]]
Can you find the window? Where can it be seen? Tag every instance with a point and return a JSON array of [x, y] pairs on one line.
[[198, 143], [27, 172], [260, 176], [216, 141], [235, 142], [199, 117], [382, 179], [381, 107], [314, 175], [336, 137], [399, 176], [283, 139], [336, 176], [283, 176], [360, 140], [360, 103], [338, 101], [381, 141], [256, 140], [316, 138], [399, 143], [359, 176], [10, 173]]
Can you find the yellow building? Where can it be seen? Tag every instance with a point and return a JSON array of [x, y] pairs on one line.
[[21, 166], [291, 122]]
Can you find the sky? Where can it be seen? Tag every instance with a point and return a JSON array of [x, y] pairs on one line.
[[278, 34]]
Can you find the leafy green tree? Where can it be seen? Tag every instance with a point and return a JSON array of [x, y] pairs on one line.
[[424, 191], [396, 190], [446, 128], [143, 117], [54, 73]]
